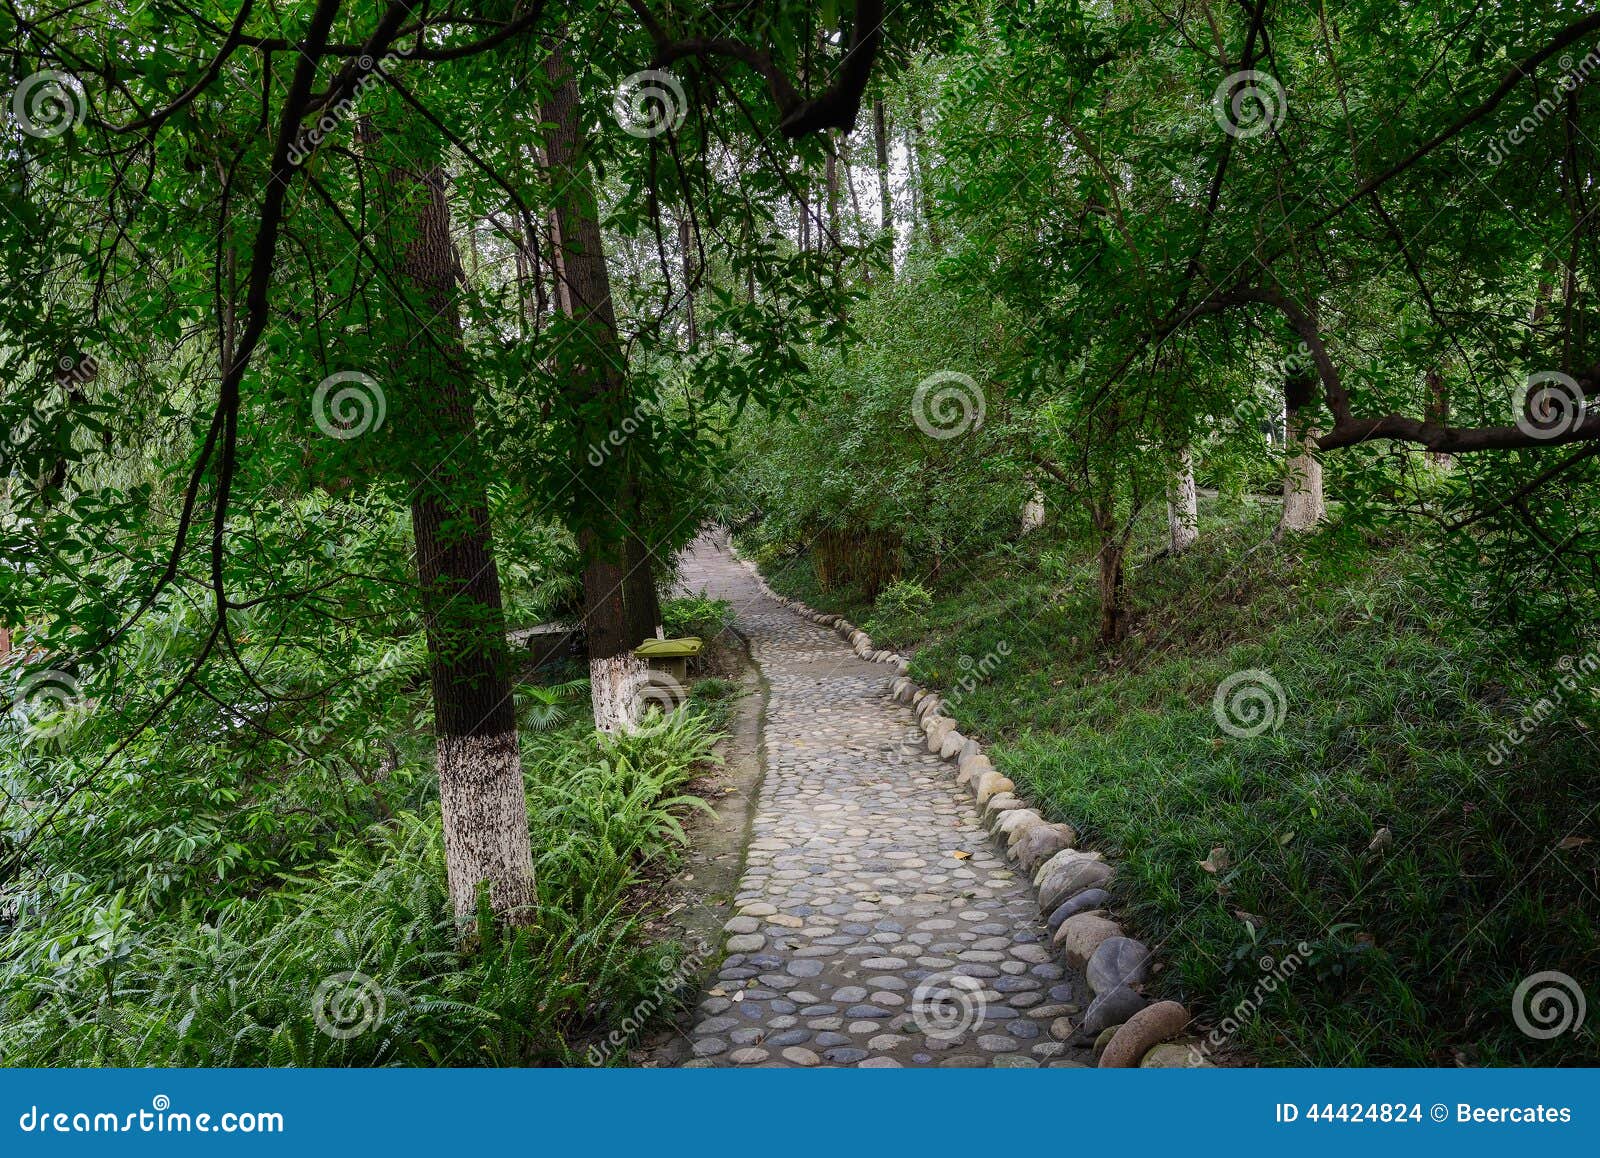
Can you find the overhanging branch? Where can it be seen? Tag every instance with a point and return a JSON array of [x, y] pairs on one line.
[[836, 107]]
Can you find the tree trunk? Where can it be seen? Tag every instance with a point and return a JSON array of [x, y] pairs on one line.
[[481, 791], [1183, 507], [847, 173], [530, 272], [598, 395], [1113, 617], [1033, 511], [686, 244], [833, 196], [849, 177], [1113, 550], [524, 300], [918, 150], [615, 674], [481, 795], [880, 135], [1302, 485], [641, 603]]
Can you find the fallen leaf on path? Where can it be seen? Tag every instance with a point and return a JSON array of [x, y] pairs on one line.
[[961, 854]]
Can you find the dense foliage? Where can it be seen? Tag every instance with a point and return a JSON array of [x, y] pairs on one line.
[[338, 339], [105, 973], [1186, 246]]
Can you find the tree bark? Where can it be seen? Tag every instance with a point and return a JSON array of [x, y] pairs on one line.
[[641, 603], [530, 272], [1302, 485], [481, 793], [918, 150], [849, 176], [615, 674], [1113, 617], [1033, 510], [833, 196], [1113, 551], [686, 245], [880, 136], [1183, 506], [598, 395]]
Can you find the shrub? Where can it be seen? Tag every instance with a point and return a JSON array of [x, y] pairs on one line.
[[900, 613], [696, 615]]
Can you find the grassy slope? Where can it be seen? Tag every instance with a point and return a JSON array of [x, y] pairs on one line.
[[1392, 711]]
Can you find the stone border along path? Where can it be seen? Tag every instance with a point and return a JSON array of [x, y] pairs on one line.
[[877, 924]]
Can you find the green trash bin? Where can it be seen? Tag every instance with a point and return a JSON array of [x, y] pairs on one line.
[[670, 656]]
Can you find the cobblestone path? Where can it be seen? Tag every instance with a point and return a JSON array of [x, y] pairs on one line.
[[877, 924]]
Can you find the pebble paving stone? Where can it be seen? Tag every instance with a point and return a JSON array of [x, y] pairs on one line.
[[853, 893]]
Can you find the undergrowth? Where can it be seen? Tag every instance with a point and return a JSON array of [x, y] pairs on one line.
[[369, 942], [1385, 823]]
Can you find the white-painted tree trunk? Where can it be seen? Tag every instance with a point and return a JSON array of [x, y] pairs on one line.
[[485, 814], [1033, 511], [1183, 505], [614, 686], [1302, 484]]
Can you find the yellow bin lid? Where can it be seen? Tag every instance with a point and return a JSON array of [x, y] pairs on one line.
[[668, 648]]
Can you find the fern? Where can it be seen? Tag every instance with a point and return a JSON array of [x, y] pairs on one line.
[[544, 708], [91, 980]]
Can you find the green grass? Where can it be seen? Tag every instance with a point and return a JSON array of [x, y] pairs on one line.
[[1393, 706], [714, 698], [96, 981]]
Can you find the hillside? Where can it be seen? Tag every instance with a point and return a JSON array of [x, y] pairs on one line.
[[1385, 823]]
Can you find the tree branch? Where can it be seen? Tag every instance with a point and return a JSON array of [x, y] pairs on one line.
[[836, 107]]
